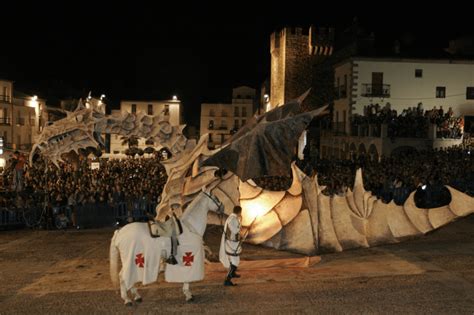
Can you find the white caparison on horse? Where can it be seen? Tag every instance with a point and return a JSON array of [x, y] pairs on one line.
[[141, 254]]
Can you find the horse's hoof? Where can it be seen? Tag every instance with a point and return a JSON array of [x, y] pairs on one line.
[[139, 300], [129, 304]]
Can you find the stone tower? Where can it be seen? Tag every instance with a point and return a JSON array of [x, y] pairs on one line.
[[294, 53]]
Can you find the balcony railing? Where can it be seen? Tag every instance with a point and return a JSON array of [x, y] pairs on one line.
[[339, 127], [5, 98], [4, 121], [340, 92], [376, 90]]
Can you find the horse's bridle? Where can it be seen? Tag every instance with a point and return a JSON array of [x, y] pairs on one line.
[[216, 201]]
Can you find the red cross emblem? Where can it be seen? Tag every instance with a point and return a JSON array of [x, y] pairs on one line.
[[139, 260], [188, 259]]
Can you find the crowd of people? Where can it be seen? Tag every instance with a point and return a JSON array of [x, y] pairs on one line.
[[395, 177], [412, 122], [392, 178], [113, 182], [116, 181]]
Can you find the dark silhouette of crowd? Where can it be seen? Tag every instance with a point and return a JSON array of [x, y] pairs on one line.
[[114, 182], [412, 122], [395, 177], [392, 178]]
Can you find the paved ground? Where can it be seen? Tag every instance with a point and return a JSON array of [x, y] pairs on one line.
[[63, 272]]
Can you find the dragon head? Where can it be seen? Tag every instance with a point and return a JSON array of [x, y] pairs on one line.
[[83, 128]]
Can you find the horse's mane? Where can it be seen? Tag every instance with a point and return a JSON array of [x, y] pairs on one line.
[[193, 204]]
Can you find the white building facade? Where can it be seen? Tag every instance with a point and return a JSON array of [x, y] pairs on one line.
[[221, 120], [19, 117], [403, 83]]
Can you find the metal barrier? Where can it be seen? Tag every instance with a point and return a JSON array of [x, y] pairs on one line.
[[134, 210], [10, 218], [95, 215], [84, 216]]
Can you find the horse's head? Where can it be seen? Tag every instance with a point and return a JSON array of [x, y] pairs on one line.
[[196, 213], [215, 204]]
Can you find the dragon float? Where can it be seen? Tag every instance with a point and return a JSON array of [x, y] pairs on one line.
[[300, 219]]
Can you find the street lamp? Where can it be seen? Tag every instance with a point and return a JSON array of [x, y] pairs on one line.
[[266, 100]]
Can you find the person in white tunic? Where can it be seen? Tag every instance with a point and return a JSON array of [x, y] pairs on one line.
[[231, 245]]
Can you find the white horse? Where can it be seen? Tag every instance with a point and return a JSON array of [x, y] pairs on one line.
[[141, 254]]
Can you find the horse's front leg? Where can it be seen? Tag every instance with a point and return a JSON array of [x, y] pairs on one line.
[[136, 297], [187, 292], [124, 295]]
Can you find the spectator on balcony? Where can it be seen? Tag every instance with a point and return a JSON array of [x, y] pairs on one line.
[[420, 109], [440, 111], [434, 114], [450, 112]]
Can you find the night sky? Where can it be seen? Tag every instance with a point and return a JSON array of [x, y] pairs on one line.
[[197, 50]]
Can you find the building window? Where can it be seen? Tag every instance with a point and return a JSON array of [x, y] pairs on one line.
[[5, 136], [167, 109], [211, 124], [418, 73], [224, 113], [236, 111], [244, 122], [244, 111], [236, 124], [440, 92], [344, 118], [150, 109], [470, 93], [134, 108], [211, 113]]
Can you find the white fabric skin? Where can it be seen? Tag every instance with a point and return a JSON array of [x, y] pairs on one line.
[[190, 257], [134, 239], [233, 224]]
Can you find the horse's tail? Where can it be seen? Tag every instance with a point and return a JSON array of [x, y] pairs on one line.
[[113, 256]]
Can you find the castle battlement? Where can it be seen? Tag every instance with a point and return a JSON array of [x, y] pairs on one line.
[[294, 51]]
